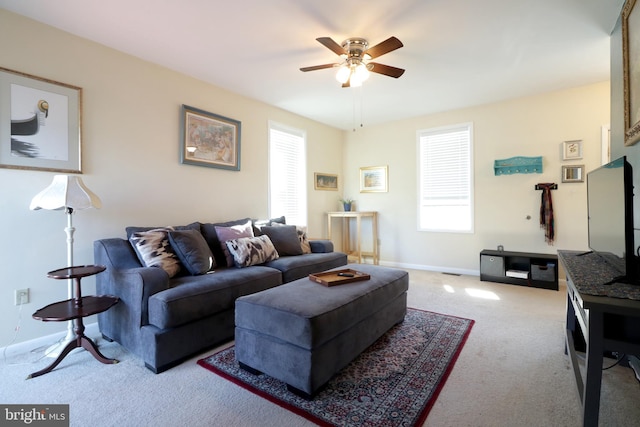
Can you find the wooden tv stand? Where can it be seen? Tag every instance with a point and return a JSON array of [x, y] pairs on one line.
[[519, 268]]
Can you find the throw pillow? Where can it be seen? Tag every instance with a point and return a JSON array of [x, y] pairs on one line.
[[249, 251], [192, 250], [208, 231], [284, 238], [154, 250], [135, 229], [302, 236], [233, 232], [259, 223], [304, 239]]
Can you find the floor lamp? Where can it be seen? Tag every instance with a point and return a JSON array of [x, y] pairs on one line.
[[66, 192]]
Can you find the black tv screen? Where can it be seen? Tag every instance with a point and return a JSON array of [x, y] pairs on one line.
[[610, 207]]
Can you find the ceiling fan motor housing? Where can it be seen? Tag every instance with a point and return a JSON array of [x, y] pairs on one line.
[[355, 47]]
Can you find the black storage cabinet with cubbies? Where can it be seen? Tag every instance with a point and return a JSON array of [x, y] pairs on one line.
[[519, 268]]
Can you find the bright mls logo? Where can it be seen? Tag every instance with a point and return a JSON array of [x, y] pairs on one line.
[[35, 415]]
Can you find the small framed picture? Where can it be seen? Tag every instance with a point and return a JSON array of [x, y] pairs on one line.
[[374, 179], [325, 181], [573, 173], [572, 150], [209, 140]]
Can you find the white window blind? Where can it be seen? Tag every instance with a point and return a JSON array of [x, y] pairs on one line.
[[287, 174], [445, 173]]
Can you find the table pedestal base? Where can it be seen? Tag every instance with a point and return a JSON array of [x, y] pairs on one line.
[[82, 341]]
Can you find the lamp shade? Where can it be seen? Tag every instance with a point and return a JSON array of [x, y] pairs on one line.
[[65, 192]]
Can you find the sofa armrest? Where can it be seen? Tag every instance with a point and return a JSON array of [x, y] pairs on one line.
[[128, 280], [321, 246]]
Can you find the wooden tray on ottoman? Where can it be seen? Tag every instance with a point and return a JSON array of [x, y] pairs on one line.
[[339, 277]]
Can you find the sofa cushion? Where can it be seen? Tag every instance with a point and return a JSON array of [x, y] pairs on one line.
[[154, 250], [195, 297], [284, 238], [192, 250], [248, 251], [233, 232], [295, 267], [208, 231]]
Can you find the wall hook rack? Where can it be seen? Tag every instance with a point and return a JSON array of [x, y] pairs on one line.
[[553, 186]]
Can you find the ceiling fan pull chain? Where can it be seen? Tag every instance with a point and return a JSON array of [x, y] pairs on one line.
[[361, 106], [353, 92]]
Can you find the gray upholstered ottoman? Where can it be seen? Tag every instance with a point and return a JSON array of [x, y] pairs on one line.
[[302, 332]]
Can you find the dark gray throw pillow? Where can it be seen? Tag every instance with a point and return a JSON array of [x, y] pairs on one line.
[[192, 250], [284, 238]]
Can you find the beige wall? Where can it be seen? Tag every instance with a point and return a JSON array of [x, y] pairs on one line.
[[130, 156], [131, 160], [532, 126]]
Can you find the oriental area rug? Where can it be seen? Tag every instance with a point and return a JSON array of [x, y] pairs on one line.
[[394, 382]]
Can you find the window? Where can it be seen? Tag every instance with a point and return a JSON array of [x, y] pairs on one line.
[[287, 174], [445, 174]]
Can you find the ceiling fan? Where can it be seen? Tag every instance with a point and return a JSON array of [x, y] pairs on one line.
[[356, 55]]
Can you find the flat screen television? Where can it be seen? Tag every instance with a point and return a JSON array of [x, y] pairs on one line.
[[610, 207]]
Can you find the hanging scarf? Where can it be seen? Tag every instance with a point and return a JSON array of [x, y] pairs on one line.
[[546, 212]]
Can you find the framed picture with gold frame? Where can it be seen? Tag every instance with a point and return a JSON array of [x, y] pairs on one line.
[[325, 181], [374, 179], [631, 71]]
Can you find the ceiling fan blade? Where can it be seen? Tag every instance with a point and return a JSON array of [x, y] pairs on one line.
[[387, 70], [386, 46], [331, 45], [317, 67]]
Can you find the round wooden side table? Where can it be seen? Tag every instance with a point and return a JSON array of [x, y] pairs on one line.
[[76, 309]]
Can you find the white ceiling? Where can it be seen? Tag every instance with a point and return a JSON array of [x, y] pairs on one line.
[[457, 53]]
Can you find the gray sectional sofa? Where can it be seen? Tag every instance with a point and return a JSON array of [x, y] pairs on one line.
[[165, 316]]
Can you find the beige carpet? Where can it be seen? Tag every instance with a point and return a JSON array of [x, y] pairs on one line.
[[512, 372]]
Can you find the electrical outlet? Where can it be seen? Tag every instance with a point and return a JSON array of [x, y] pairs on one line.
[[21, 296]]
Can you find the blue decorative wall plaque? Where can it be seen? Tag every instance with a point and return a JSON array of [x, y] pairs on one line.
[[518, 165]]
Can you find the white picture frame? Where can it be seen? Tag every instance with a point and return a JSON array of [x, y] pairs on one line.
[[572, 150]]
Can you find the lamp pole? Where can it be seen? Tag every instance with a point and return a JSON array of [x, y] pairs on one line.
[[57, 348]]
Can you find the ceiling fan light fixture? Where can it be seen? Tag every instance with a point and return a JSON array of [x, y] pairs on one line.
[[361, 72], [343, 74]]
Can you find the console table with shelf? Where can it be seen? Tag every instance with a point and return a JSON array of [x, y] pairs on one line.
[[356, 253], [600, 318]]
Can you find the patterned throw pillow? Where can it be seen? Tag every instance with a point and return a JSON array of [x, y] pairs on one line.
[[233, 232], [154, 250], [304, 240], [249, 251]]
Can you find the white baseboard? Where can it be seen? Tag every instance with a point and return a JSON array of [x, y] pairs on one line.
[[91, 330], [461, 271]]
